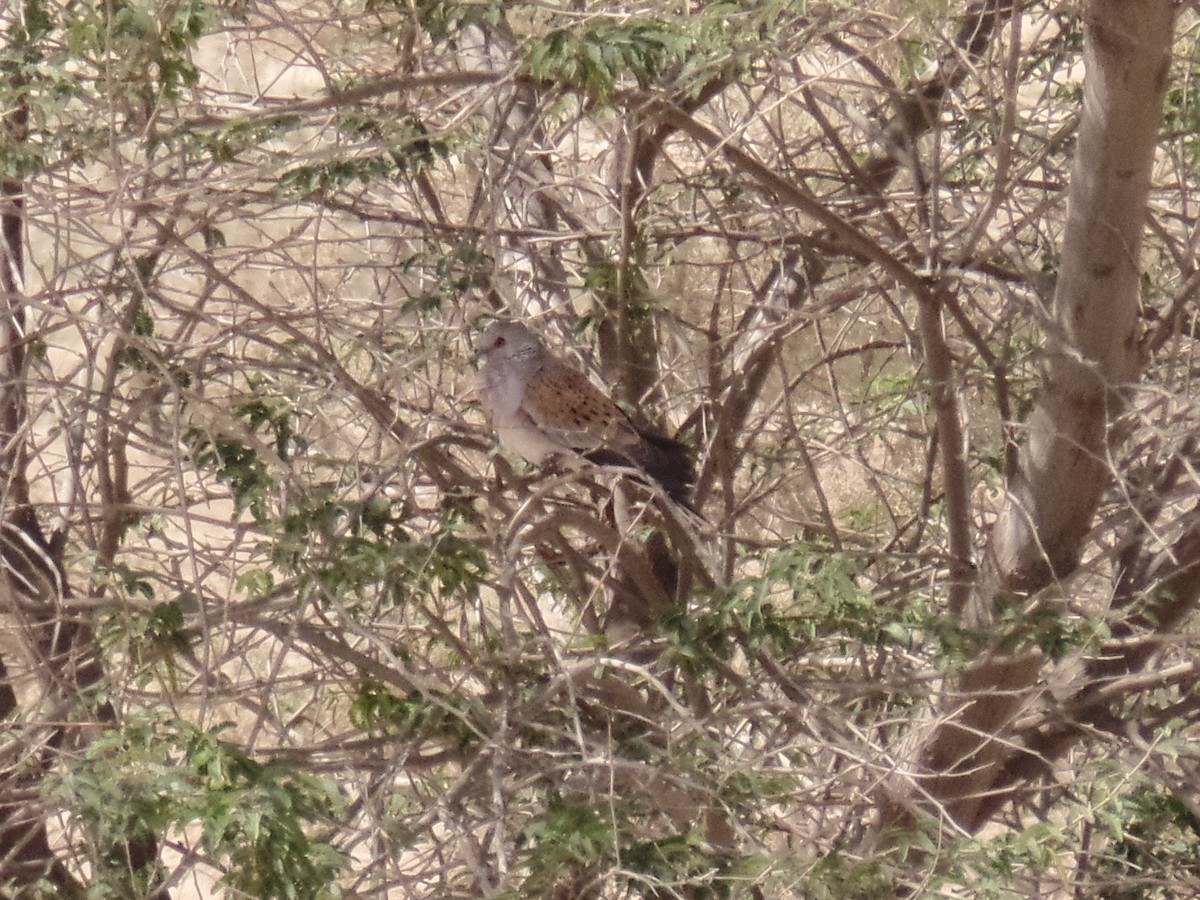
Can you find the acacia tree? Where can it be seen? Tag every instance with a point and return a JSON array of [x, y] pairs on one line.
[[277, 613]]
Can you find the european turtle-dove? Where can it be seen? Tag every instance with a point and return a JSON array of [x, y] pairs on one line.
[[542, 409]]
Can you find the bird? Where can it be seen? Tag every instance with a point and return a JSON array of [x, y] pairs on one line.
[[545, 411]]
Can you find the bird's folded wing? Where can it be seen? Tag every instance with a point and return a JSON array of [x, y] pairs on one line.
[[569, 408]]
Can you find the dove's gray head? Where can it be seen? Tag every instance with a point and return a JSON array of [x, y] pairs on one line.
[[509, 343]]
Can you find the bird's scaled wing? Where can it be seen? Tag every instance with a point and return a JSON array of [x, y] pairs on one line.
[[570, 409]]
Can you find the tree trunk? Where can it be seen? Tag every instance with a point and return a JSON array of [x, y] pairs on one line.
[[1092, 357]]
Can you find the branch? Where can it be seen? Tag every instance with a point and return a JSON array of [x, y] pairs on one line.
[[956, 482], [278, 110], [851, 239]]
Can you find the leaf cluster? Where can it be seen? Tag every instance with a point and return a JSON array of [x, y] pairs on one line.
[[259, 821]]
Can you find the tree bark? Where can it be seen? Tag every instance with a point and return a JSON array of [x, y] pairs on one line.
[[1093, 349]]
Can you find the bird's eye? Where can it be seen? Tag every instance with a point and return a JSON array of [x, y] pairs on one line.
[[499, 342]]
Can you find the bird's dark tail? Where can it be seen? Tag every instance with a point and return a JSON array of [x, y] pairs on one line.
[[666, 460], [669, 462]]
